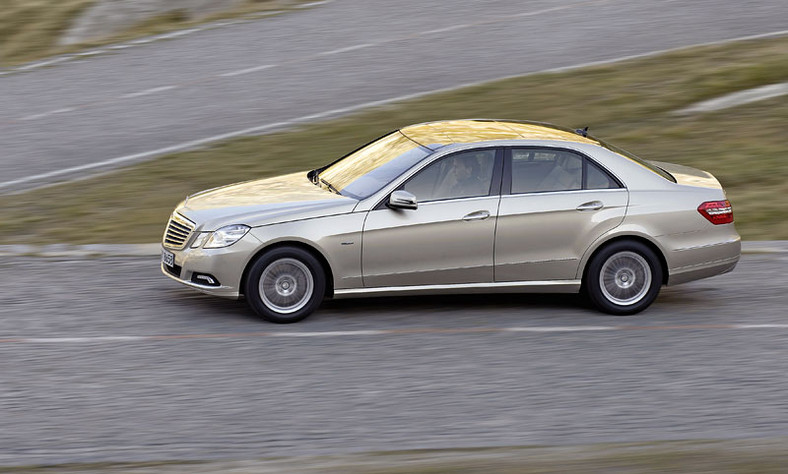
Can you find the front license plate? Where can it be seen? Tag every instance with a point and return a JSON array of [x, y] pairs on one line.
[[168, 258]]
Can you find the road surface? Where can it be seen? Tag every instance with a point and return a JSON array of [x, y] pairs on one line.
[[83, 116], [107, 360]]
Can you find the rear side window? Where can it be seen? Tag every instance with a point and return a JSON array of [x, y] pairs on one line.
[[596, 178], [538, 170]]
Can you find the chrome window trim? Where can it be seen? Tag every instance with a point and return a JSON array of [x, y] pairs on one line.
[[374, 200]]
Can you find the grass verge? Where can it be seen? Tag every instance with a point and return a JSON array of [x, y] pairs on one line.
[[764, 456], [30, 29], [630, 104]]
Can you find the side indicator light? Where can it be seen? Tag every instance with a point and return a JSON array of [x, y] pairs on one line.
[[717, 212]]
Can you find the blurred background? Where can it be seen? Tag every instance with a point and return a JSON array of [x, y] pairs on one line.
[[112, 111]]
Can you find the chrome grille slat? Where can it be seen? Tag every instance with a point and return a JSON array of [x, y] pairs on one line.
[[179, 229], [177, 225]]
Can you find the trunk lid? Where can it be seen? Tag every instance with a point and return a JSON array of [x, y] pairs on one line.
[[689, 176]]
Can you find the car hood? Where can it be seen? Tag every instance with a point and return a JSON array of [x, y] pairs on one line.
[[263, 201], [690, 176]]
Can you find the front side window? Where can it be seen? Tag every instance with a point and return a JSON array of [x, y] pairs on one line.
[[461, 175], [537, 170]]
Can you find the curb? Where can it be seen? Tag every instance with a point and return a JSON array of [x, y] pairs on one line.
[[81, 251], [148, 250]]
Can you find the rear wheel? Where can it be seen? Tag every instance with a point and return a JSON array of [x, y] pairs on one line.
[[623, 278], [285, 285]]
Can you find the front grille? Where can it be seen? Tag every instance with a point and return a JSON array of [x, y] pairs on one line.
[[178, 231]]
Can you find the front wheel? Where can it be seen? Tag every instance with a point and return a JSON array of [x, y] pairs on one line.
[[623, 278], [285, 285]]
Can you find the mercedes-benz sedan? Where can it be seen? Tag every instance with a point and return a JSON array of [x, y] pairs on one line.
[[457, 207]]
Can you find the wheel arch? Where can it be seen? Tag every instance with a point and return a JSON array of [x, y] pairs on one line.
[[602, 243], [329, 274]]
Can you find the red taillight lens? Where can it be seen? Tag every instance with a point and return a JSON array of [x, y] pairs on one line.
[[717, 212]]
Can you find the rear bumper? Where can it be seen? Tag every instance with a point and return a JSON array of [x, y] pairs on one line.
[[703, 261]]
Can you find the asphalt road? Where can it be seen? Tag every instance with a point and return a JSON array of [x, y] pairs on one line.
[[139, 102], [106, 359]]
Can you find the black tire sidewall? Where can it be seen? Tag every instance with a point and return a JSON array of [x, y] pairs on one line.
[[591, 282], [252, 286]]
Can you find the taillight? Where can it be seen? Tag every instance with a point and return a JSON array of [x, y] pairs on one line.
[[717, 212]]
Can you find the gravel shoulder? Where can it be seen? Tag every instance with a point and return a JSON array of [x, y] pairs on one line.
[[761, 456]]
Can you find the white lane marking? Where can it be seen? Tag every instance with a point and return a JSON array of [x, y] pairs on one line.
[[560, 328], [542, 12], [58, 340], [444, 30], [90, 53], [47, 114], [313, 4], [153, 90], [345, 50], [376, 332], [737, 98], [247, 70], [176, 34], [327, 333], [42, 63], [761, 326], [261, 128]]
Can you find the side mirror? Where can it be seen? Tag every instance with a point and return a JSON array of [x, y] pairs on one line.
[[402, 200]]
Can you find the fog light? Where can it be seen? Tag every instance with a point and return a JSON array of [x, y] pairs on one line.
[[204, 279]]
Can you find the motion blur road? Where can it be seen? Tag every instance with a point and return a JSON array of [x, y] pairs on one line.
[[143, 369], [140, 102]]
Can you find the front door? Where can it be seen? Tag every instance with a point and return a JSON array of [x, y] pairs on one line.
[[449, 238]]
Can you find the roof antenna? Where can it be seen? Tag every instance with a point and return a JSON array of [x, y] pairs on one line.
[[582, 131]]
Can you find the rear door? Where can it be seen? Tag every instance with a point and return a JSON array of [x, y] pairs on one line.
[[554, 204]]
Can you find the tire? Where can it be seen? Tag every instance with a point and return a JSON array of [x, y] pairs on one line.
[[623, 278], [285, 285]]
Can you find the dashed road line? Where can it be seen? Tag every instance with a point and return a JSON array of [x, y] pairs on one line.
[[47, 114], [240, 72], [150, 91], [381, 332], [447, 29], [549, 10], [561, 328], [347, 49]]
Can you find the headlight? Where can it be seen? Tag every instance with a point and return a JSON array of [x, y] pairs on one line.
[[200, 239], [226, 236]]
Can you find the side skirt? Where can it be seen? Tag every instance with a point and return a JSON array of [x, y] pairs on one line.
[[550, 286]]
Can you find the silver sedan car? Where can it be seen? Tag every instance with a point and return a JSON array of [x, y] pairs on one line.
[[463, 206]]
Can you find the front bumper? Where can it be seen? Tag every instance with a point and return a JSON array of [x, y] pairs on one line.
[[225, 265]]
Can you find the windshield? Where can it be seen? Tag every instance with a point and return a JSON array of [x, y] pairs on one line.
[[365, 171]]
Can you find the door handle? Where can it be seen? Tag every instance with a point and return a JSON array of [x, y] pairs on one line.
[[477, 216], [590, 206]]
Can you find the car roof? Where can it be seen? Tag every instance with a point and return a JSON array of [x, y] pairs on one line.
[[434, 135]]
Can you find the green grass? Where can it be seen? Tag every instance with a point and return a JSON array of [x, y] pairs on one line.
[[30, 29], [629, 104]]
